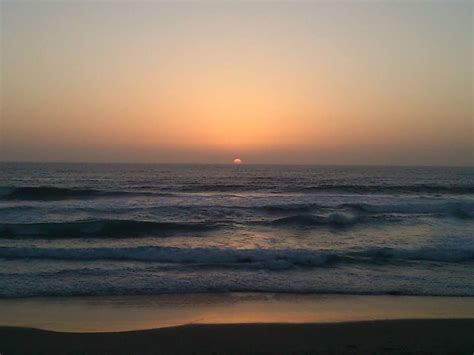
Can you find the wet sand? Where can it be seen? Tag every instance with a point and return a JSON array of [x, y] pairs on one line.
[[369, 337], [126, 313]]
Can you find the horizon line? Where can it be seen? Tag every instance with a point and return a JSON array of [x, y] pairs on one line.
[[232, 164]]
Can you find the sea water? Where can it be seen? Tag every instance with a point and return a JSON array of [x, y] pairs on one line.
[[130, 229]]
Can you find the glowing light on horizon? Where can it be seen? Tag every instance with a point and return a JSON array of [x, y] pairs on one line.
[[237, 161], [205, 81]]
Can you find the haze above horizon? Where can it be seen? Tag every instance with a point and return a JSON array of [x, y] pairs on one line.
[[314, 83]]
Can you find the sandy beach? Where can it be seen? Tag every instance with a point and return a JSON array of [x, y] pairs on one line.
[[239, 324], [371, 337], [128, 313]]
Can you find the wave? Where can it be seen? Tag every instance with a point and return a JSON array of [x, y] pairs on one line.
[[292, 207], [459, 209], [309, 220], [420, 254], [173, 287], [330, 188], [20, 208], [463, 210], [265, 258], [392, 189], [49, 193], [170, 255], [101, 228]]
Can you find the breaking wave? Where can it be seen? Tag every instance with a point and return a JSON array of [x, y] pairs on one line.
[[464, 209], [456, 209]]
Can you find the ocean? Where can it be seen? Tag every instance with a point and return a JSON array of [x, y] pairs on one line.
[[129, 229]]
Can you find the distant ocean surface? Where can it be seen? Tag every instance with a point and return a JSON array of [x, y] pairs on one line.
[[117, 229]]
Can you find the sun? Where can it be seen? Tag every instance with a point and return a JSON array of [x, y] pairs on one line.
[[237, 161]]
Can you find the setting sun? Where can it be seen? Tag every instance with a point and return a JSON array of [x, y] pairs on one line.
[[237, 161]]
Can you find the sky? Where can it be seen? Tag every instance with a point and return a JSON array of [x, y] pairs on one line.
[[293, 82]]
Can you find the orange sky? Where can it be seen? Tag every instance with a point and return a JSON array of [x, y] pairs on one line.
[[327, 83]]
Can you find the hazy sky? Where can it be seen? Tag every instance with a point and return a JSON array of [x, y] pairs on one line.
[[334, 82]]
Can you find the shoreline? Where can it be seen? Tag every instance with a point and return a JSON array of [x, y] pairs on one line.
[[381, 337], [128, 313]]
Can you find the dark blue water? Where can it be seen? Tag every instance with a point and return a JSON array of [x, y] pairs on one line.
[[93, 229]]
